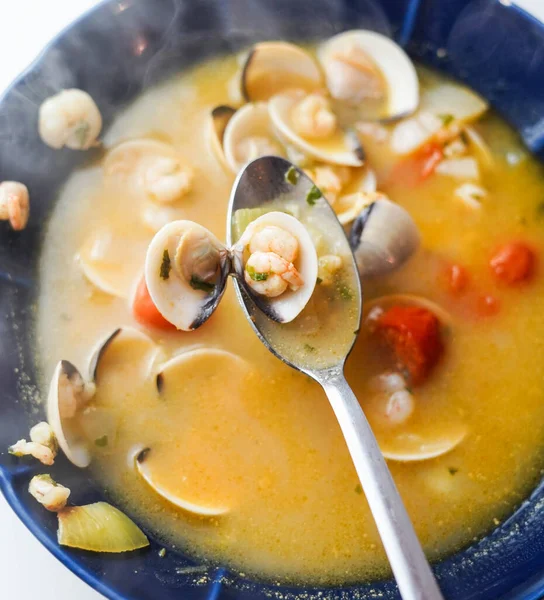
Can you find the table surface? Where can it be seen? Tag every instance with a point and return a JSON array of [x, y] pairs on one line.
[[20, 553]]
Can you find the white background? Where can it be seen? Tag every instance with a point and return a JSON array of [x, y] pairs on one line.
[[27, 570]]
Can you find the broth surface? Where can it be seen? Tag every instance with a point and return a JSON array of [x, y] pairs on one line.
[[260, 438]]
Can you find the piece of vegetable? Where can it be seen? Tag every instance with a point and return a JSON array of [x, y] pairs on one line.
[[457, 279], [431, 157], [48, 492], [291, 176], [99, 527], [513, 263], [413, 335], [313, 195], [471, 195], [23, 448], [145, 311], [199, 284], [43, 434]]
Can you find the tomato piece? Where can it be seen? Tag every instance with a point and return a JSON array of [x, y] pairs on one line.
[[431, 155], [457, 279], [487, 305], [145, 311], [513, 263], [413, 335]]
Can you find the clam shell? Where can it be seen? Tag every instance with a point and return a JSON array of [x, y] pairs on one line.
[[396, 68], [383, 237], [411, 447], [250, 121], [342, 148], [175, 298], [273, 67], [218, 120]]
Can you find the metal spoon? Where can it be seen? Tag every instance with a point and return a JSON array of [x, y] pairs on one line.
[[262, 181]]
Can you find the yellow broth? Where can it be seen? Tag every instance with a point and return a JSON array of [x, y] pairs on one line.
[[259, 437]]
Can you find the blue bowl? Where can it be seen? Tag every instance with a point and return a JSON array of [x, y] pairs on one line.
[[496, 49]]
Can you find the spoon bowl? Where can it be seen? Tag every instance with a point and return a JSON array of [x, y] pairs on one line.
[[265, 183]]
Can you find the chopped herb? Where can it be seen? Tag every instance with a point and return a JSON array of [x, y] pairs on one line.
[[291, 176], [358, 489], [453, 470], [318, 281], [313, 195], [446, 119], [101, 442], [256, 276], [199, 284], [81, 133], [309, 348], [162, 552], [540, 210], [166, 265], [346, 293]]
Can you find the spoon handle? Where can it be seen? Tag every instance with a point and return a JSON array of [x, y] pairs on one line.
[[410, 567]]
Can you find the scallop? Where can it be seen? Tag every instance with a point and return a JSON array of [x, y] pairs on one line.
[[218, 120], [341, 147], [249, 134], [369, 75], [383, 237], [70, 392], [290, 302], [443, 111], [175, 374], [273, 67], [186, 270], [148, 169]]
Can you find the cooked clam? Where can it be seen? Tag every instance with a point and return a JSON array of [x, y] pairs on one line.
[[369, 76], [219, 118], [149, 169], [411, 447], [70, 392], [248, 135], [174, 375], [443, 110], [108, 259], [330, 144], [276, 263], [348, 206], [273, 67], [383, 237], [186, 269]]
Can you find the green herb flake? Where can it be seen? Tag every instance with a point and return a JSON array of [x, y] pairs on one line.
[[358, 489], [101, 442], [453, 470], [199, 284], [446, 119], [162, 552], [318, 281], [540, 210], [309, 348], [81, 133], [313, 195], [255, 275], [291, 176], [346, 293], [166, 266]]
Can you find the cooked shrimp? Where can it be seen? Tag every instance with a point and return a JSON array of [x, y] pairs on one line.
[[269, 275], [70, 118], [48, 492], [399, 407], [167, 180], [312, 117], [23, 448], [43, 434], [14, 204], [352, 76], [277, 240]]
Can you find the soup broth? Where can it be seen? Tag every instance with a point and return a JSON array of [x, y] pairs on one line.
[[244, 432]]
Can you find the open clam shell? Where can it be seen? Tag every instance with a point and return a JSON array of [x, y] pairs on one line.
[[348, 206], [186, 271], [342, 148], [218, 120], [369, 75], [249, 134], [273, 67], [287, 306], [383, 237]]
